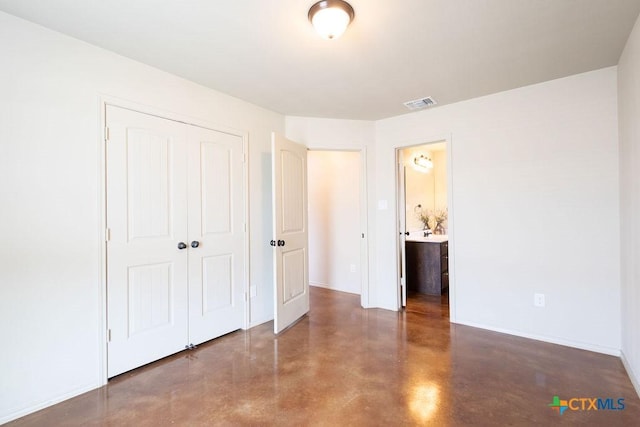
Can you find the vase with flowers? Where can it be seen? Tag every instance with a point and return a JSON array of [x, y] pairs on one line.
[[434, 221]]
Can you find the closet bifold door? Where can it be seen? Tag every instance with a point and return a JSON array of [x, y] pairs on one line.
[[147, 305], [176, 246], [216, 234]]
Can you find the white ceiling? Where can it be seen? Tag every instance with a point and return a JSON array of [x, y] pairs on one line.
[[266, 52]]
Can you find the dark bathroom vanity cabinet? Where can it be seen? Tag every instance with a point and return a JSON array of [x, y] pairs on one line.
[[427, 266]]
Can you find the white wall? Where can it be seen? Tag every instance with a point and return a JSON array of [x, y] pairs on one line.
[[535, 208], [50, 219], [629, 127], [440, 179], [334, 220]]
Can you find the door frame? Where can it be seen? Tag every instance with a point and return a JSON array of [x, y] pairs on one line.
[[364, 220], [447, 139], [103, 101], [401, 212]]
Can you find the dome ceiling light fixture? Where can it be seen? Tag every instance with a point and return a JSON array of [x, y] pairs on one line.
[[331, 18]]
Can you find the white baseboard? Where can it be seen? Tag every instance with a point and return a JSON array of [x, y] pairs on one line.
[[33, 408], [319, 285], [635, 379], [553, 340], [258, 322], [325, 286]]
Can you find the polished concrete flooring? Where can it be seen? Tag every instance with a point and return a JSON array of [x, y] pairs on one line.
[[342, 365]]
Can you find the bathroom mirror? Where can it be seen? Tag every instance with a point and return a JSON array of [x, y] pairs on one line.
[[425, 184]]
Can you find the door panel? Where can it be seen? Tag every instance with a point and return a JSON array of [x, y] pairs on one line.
[[216, 185], [292, 188], [148, 193], [292, 274], [146, 215], [149, 295], [216, 222], [291, 259], [217, 283]]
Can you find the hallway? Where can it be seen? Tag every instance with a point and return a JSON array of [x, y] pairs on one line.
[[342, 365]]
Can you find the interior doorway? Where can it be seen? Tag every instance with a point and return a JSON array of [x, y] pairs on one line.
[[337, 221], [423, 196]]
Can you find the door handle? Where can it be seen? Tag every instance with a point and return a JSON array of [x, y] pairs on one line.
[[182, 245], [406, 233], [272, 243], [281, 242], [195, 244]]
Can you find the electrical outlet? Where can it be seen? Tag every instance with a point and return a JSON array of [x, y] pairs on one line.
[[538, 300], [253, 291], [352, 268]]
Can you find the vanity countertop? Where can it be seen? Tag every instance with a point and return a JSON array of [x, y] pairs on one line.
[[434, 238]]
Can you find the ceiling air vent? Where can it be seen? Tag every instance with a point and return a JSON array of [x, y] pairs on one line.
[[419, 104]]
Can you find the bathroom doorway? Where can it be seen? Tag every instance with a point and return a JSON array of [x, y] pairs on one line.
[[337, 221], [423, 196]]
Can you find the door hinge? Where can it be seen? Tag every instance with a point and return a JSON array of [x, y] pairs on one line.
[[245, 227], [106, 133], [244, 157], [108, 335], [107, 234]]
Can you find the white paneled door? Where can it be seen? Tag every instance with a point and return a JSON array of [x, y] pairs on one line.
[[291, 260], [216, 234], [175, 249]]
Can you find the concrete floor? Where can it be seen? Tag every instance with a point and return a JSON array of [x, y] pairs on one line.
[[342, 365]]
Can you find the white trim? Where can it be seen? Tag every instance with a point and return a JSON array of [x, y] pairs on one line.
[[169, 115], [364, 228], [49, 402], [104, 101], [319, 284], [552, 340], [453, 297], [247, 232], [331, 288], [102, 204], [635, 379], [401, 227], [259, 322]]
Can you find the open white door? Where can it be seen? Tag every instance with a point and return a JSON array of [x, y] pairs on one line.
[[291, 255], [402, 229]]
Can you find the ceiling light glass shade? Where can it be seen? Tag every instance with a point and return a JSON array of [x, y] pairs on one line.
[[331, 18], [422, 163]]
